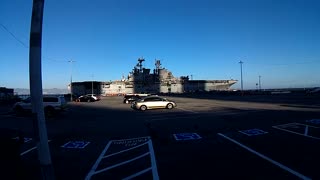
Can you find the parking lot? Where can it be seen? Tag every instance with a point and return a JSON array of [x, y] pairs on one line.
[[256, 137]]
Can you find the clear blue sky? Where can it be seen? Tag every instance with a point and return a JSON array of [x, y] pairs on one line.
[[277, 39]]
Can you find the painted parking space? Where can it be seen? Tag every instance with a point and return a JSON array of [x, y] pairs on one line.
[[29, 148], [291, 147], [126, 159], [272, 161], [305, 130], [71, 157], [75, 144], [210, 158], [313, 121], [186, 136], [29, 145], [253, 132]]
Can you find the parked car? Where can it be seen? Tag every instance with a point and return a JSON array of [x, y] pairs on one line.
[[130, 98], [153, 102], [314, 91], [51, 104], [94, 96], [85, 98]]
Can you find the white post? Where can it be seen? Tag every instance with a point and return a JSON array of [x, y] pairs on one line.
[[36, 93], [259, 82], [241, 75]]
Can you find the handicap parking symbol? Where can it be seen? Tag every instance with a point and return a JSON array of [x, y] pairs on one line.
[[27, 139], [313, 121], [253, 132], [75, 144], [186, 136]]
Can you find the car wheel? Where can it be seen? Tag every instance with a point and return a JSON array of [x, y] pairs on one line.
[[127, 102], [169, 106], [49, 111], [88, 100], [143, 108]]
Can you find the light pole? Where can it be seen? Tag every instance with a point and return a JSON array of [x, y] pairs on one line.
[[241, 75], [259, 82], [71, 99], [92, 85], [36, 93]]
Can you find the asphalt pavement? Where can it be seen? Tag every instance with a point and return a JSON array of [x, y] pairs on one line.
[[203, 138]]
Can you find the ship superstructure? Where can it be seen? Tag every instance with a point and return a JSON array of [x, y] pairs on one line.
[[161, 80]]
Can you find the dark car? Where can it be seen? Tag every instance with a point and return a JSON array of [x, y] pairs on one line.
[[130, 98], [85, 98]]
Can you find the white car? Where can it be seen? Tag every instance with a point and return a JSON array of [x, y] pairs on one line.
[[51, 104], [153, 102]]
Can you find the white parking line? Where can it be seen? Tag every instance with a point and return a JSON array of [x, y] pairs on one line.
[[109, 155], [307, 125], [153, 161], [94, 167], [31, 149], [304, 134], [145, 140], [137, 174], [27, 151], [294, 125], [267, 158], [122, 163], [306, 130]]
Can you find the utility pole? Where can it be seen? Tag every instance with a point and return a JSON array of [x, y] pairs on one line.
[[241, 75], [71, 98], [35, 76], [92, 85], [259, 82]]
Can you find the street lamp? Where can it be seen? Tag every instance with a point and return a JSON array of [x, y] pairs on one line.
[[71, 99], [259, 82], [92, 85], [241, 75]]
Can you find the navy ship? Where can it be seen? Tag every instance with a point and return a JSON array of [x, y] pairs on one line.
[[142, 80]]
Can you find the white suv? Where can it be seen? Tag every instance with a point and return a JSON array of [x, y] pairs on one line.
[[51, 104]]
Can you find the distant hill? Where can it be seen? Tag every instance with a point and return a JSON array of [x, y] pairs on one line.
[[21, 91]]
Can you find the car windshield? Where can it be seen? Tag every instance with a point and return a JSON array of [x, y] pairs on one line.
[[160, 89]]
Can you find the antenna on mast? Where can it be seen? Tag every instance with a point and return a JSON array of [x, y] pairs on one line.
[[140, 63], [158, 66]]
